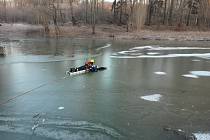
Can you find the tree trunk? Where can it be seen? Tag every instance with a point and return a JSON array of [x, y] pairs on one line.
[[181, 8], [73, 20], [171, 13], [86, 11], [165, 8], [188, 17], [97, 4], [102, 6], [5, 10], [149, 13], [121, 5], [114, 10], [93, 15]]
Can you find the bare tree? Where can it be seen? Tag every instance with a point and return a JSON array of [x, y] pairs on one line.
[[171, 12], [93, 15]]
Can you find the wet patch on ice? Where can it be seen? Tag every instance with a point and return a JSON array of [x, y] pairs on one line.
[[200, 73], [160, 73], [190, 76], [152, 98], [202, 136], [160, 52], [56, 128]]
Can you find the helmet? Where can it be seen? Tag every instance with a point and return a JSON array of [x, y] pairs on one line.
[[92, 61]]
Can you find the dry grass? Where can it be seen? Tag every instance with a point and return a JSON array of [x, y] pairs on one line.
[[109, 31], [119, 32]]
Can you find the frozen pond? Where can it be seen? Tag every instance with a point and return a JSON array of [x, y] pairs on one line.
[[150, 90]]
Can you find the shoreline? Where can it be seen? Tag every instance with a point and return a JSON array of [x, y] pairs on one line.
[[106, 32]]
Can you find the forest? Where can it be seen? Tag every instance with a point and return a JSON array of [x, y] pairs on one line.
[[133, 15]]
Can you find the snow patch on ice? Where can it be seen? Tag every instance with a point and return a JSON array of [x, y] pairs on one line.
[[137, 52], [152, 98], [175, 55], [190, 76], [153, 53], [169, 48], [142, 47], [163, 56], [200, 73], [114, 56], [202, 136], [160, 73], [106, 46], [60, 108]]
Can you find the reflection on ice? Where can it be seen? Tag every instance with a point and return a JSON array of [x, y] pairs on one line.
[[152, 98], [202, 136], [200, 73]]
